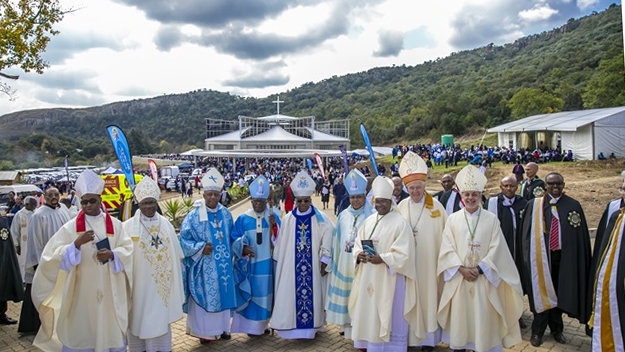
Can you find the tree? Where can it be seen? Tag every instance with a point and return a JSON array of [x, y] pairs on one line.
[[25, 30], [606, 88], [532, 101]]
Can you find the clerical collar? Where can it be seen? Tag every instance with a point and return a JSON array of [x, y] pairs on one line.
[[419, 202], [212, 210], [304, 213], [146, 218], [93, 216], [473, 214]]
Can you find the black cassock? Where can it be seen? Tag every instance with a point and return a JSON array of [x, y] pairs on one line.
[[11, 288], [602, 241], [573, 283], [507, 226]]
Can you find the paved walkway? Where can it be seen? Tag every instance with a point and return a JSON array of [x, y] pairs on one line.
[[327, 339]]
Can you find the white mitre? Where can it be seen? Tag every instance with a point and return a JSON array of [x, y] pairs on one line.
[[382, 187], [89, 183], [212, 180], [147, 188], [470, 178], [303, 185]]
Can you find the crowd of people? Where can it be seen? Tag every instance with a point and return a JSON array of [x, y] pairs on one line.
[[400, 267]]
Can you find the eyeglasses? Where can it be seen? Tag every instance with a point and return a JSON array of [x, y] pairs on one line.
[[305, 201], [555, 183], [88, 201]]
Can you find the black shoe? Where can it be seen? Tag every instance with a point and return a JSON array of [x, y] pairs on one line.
[[4, 320], [225, 336], [427, 348], [342, 333], [522, 324], [559, 337], [267, 331], [536, 340]]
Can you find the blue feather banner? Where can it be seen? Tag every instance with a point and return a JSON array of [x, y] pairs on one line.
[[365, 137]]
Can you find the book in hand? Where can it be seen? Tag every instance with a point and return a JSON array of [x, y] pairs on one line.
[[103, 244], [367, 247]]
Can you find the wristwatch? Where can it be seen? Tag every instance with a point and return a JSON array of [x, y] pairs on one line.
[[480, 270]]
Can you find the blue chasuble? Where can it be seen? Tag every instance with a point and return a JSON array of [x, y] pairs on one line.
[[209, 279], [253, 276]]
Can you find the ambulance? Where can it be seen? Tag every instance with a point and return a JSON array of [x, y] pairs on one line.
[[116, 189]]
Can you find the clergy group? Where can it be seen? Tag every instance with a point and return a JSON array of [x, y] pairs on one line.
[[393, 272]]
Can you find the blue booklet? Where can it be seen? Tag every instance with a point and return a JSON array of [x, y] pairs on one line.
[[367, 247], [103, 244]]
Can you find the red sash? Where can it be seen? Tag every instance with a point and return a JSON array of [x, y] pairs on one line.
[[81, 225]]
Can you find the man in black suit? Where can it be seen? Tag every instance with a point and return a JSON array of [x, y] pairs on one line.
[[398, 190]]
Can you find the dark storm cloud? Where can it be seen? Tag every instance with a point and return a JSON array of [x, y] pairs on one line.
[[76, 80], [259, 46], [168, 37], [214, 13], [390, 43], [499, 20], [232, 30]]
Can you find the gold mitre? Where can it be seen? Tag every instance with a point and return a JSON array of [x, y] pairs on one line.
[[412, 168], [470, 178]]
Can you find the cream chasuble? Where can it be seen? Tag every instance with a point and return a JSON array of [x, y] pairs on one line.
[[157, 294], [371, 298], [427, 221], [483, 314], [87, 306]]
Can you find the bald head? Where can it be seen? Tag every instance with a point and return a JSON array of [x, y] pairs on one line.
[[531, 169], [447, 181]]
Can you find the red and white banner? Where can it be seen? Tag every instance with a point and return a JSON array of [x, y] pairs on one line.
[[320, 165], [154, 170]]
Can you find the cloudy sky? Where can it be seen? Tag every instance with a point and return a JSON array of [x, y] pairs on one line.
[[117, 50]]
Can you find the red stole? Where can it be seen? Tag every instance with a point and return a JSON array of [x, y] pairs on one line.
[[81, 225]]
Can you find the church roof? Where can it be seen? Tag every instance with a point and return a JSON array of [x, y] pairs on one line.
[[277, 133], [559, 121], [325, 137]]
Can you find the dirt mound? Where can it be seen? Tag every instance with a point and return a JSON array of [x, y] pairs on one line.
[[592, 183]]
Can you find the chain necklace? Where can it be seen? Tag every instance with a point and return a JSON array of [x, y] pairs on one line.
[[414, 228], [466, 219], [378, 218], [154, 241]]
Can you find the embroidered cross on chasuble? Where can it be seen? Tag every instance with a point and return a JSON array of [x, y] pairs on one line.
[[304, 271]]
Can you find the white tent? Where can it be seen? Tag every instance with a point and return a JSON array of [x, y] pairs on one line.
[[585, 132]]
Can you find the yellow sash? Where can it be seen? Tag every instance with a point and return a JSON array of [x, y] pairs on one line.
[[543, 292]]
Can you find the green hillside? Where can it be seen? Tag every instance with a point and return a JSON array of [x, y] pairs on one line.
[[577, 66]]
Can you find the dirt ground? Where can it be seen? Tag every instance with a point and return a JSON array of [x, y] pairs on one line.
[[592, 183]]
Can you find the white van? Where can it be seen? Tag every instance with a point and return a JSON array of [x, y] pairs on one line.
[[169, 171], [19, 189]]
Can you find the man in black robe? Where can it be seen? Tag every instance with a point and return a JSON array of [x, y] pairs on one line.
[[11, 288], [555, 235], [508, 206], [608, 261], [532, 187]]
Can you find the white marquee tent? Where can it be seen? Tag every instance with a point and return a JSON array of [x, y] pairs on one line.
[[586, 132]]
